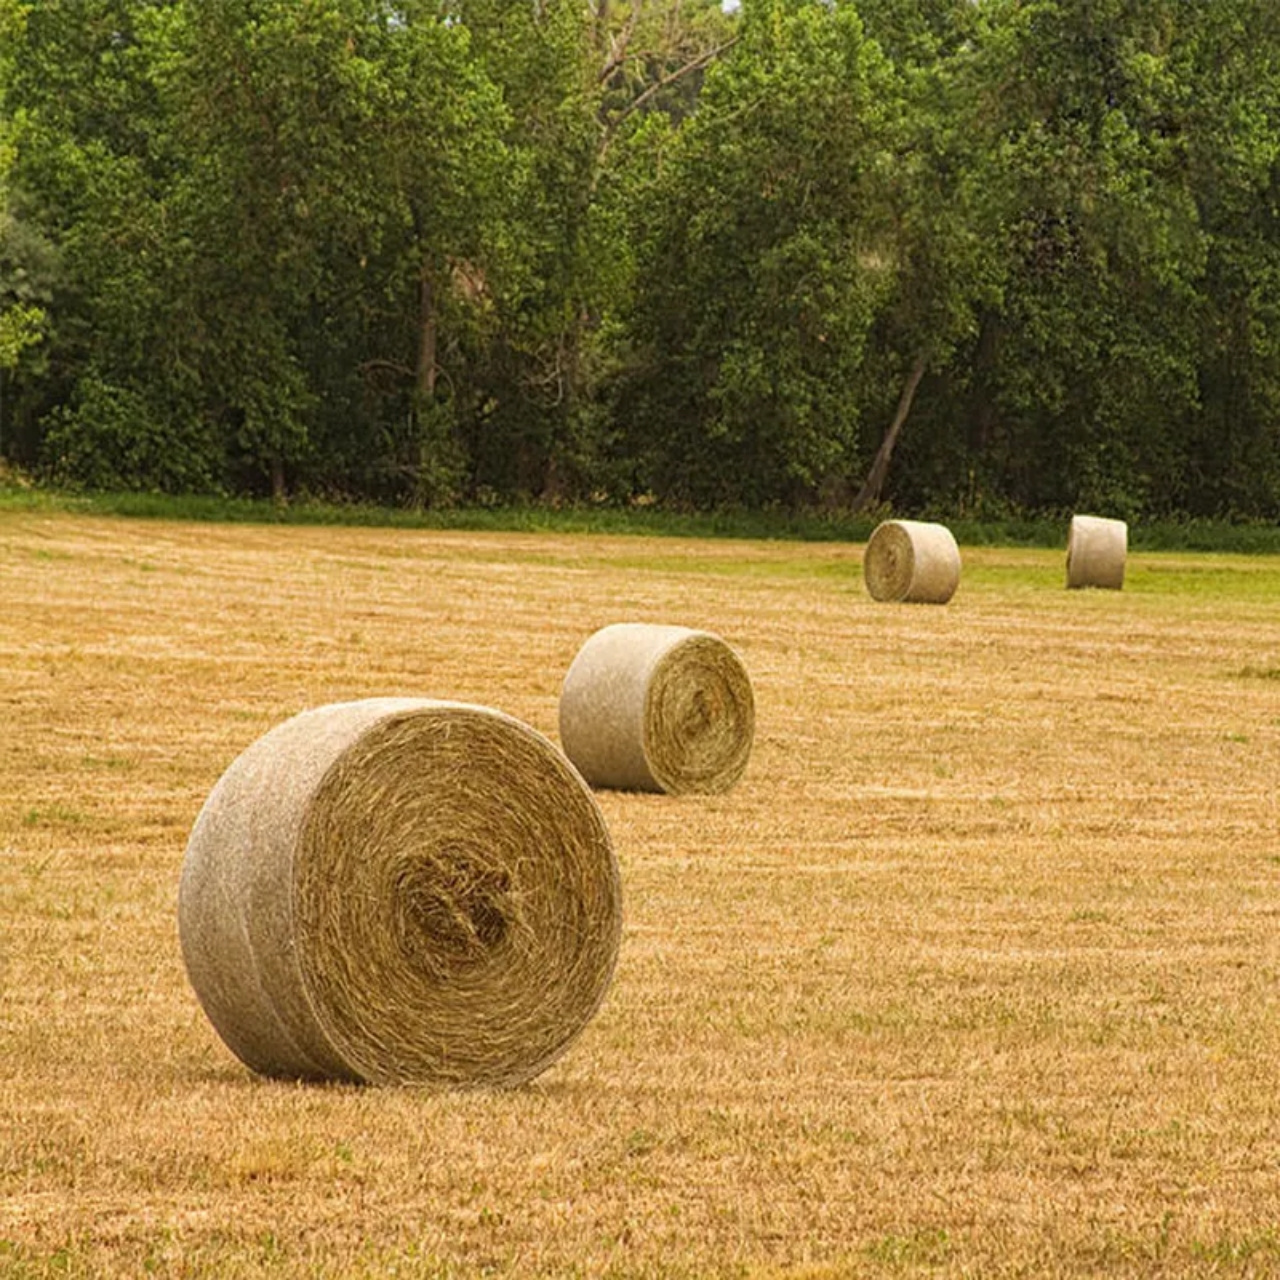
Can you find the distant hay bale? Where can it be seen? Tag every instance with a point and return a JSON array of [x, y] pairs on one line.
[[657, 708], [1096, 550], [911, 561], [400, 891]]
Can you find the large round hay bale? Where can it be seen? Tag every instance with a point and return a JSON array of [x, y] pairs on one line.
[[400, 891], [911, 561], [657, 708], [1096, 550]]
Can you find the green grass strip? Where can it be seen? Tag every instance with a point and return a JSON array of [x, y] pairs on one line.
[[1046, 531]]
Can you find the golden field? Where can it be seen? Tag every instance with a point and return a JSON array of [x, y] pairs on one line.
[[976, 972]]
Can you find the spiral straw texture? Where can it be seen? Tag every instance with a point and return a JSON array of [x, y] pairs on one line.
[[400, 891], [911, 561], [1096, 551], [657, 708]]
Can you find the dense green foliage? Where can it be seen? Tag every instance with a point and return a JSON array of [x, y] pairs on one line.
[[20, 314], [973, 257]]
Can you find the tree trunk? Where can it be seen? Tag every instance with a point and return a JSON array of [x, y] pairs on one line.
[[278, 494], [869, 494], [425, 387], [428, 333], [982, 410]]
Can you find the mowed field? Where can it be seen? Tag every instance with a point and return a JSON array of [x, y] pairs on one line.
[[975, 973]]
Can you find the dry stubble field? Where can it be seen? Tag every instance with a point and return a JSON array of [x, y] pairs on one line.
[[976, 973]]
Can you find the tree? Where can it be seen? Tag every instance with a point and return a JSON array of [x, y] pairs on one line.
[[92, 176], [345, 164], [522, 384], [762, 265], [20, 316], [578, 81], [1227, 67], [943, 251], [652, 56], [1088, 363]]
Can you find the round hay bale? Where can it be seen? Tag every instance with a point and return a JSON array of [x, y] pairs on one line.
[[656, 708], [1096, 550], [911, 561], [400, 891]]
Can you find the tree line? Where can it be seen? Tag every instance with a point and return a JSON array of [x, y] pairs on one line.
[[979, 256]]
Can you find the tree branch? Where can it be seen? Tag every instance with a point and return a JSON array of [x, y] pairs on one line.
[[618, 48], [696, 64], [385, 366]]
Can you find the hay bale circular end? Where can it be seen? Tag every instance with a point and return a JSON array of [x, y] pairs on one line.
[[657, 708], [911, 561], [1096, 552], [400, 891]]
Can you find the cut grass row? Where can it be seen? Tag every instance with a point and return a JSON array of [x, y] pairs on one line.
[[974, 974]]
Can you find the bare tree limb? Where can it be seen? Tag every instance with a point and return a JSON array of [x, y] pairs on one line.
[[618, 47], [696, 64]]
